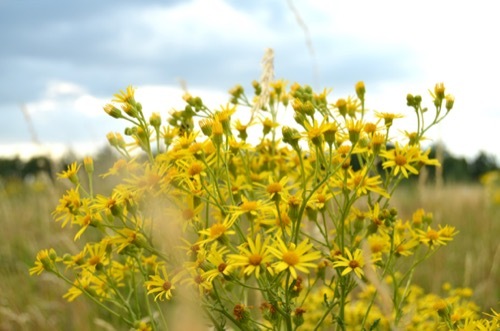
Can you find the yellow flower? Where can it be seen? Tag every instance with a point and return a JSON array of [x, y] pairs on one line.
[[98, 256], [404, 244], [126, 96], [71, 173], [42, 263], [268, 125], [127, 237], [86, 219], [400, 159], [320, 198], [69, 207], [361, 183], [276, 190], [254, 256], [74, 260], [253, 208], [354, 128], [217, 262], [278, 86], [434, 238], [353, 262], [143, 326], [388, 117], [80, 284], [379, 243], [315, 131], [293, 258], [160, 284], [111, 205], [217, 231]]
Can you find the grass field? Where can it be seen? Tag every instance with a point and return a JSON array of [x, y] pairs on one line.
[[35, 303]]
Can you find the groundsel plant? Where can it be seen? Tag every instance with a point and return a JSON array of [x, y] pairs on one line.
[[211, 227]]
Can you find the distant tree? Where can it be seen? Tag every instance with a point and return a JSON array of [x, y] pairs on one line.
[[37, 165], [11, 168], [455, 169], [481, 165]]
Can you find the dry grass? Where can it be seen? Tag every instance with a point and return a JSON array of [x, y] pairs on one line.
[[35, 303], [472, 259]]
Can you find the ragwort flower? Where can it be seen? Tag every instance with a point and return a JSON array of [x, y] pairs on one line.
[[254, 256], [400, 159], [160, 284], [293, 258], [353, 262], [71, 173]]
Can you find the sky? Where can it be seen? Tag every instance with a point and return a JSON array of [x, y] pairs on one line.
[[62, 61]]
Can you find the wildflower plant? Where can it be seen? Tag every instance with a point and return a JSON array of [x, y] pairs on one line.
[[289, 229]]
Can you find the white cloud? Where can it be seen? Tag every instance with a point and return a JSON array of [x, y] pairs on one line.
[[89, 105], [57, 94], [62, 88], [201, 24]]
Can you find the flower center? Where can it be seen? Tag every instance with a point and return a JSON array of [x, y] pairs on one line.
[[255, 259], [274, 188], [110, 203], [94, 260], [86, 220], [187, 214], [291, 258], [166, 285], [195, 169], [217, 230], [433, 235], [249, 205], [321, 198], [377, 247], [222, 267], [353, 264], [400, 160]]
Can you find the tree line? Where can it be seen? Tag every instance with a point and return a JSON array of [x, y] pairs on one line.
[[454, 169]]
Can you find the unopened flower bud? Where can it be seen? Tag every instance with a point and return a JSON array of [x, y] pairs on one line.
[[112, 111], [88, 164], [290, 136], [52, 254], [206, 126], [298, 316], [119, 140], [155, 120], [308, 108], [410, 100], [329, 133], [217, 132], [130, 110], [341, 104], [257, 88], [112, 139], [360, 90], [450, 100], [299, 118], [236, 91]]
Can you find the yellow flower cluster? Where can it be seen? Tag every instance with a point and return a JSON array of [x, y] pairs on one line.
[[292, 229]]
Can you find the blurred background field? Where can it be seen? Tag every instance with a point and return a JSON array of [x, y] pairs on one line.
[[36, 303]]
